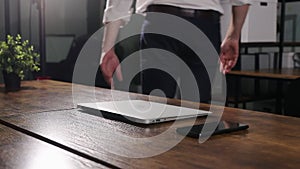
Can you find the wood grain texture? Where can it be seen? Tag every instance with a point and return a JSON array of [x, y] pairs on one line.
[[272, 141], [36, 96], [283, 74], [49, 95], [19, 151]]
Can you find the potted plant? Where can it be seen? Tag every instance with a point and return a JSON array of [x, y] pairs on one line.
[[17, 57]]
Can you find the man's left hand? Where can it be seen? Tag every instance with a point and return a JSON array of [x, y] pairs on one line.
[[229, 54]]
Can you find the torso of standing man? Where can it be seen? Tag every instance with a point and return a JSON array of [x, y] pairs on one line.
[[116, 9], [142, 5]]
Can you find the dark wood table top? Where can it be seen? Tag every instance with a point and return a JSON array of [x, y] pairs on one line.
[[269, 44], [281, 74], [19, 151], [272, 141], [47, 95]]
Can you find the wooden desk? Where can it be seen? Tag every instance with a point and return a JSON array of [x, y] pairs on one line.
[[19, 151], [269, 44], [272, 141], [282, 74]]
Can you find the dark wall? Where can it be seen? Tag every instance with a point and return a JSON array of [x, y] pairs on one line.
[[93, 16]]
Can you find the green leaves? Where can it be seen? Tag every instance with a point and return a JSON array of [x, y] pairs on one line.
[[18, 56]]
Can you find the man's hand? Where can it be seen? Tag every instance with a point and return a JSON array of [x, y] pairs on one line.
[[110, 64], [229, 54], [230, 46]]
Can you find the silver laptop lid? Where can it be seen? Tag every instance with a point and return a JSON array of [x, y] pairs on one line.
[[144, 111]]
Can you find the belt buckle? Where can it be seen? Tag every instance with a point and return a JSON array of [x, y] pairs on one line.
[[189, 12]]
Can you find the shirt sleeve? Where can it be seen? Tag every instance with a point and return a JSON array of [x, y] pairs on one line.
[[240, 2], [117, 9]]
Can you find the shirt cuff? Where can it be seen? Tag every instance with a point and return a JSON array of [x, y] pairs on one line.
[[116, 10], [240, 2], [110, 15]]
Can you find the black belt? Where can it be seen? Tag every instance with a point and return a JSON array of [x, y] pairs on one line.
[[184, 12]]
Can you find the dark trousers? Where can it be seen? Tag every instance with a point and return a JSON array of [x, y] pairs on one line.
[[157, 79]]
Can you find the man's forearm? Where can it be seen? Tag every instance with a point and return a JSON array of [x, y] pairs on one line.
[[111, 31], [115, 15], [239, 14], [230, 46], [109, 62]]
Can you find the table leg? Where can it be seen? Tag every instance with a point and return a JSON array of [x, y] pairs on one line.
[[278, 108]]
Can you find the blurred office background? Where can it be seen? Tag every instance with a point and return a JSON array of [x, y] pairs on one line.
[[69, 23]]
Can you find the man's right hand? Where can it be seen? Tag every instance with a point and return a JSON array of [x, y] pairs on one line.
[[110, 64]]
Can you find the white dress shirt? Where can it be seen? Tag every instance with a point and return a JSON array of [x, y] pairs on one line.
[[120, 9]]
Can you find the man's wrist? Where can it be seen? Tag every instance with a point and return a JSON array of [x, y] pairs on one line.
[[107, 49], [233, 37]]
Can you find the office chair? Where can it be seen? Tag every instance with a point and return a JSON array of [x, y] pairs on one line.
[[296, 59]]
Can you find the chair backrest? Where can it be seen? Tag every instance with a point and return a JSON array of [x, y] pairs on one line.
[[292, 99], [296, 59]]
